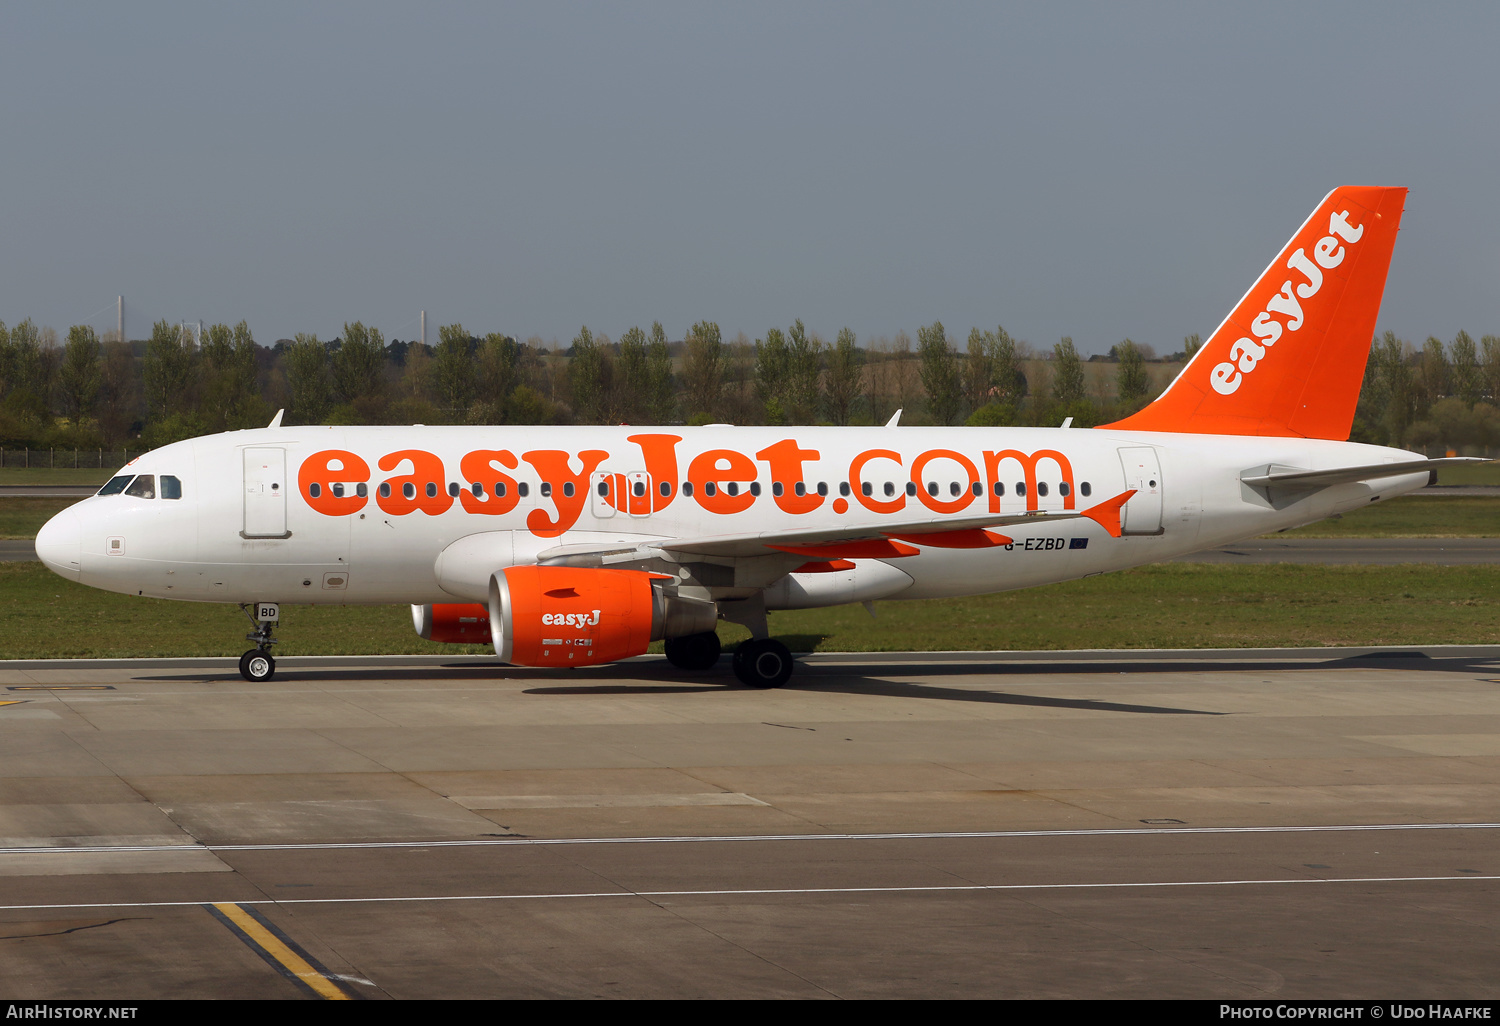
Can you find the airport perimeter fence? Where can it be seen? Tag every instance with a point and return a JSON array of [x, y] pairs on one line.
[[68, 459]]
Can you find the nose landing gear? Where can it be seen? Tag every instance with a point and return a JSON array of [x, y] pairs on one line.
[[256, 665]]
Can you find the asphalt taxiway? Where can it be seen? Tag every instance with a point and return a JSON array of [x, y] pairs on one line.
[[1216, 824]]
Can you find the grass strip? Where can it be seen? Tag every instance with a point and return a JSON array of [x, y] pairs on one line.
[[1413, 516], [1177, 605]]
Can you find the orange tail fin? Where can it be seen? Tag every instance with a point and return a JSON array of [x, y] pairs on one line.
[[1290, 357]]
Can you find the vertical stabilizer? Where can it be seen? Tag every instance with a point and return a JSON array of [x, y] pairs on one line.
[[1290, 357]]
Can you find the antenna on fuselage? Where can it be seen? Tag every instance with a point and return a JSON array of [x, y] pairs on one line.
[[276, 420], [895, 420]]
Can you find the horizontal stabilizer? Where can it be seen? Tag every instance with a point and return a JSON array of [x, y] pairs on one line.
[[1287, 477]]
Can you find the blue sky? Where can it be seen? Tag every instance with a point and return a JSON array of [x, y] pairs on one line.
[[1099, 171]]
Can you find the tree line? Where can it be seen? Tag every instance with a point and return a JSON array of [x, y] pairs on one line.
[[85, 391]]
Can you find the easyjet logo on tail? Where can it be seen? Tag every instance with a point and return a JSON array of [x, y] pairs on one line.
[[1243, 381], [1245, 355]]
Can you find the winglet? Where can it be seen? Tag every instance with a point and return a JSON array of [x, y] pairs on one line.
[[276, 420], [1107, 513]]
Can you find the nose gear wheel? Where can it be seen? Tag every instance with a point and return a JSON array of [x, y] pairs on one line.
[[257, 665]]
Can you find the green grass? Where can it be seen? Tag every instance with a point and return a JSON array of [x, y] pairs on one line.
[[22, 516], [1179, 605], [1413, 516], [62, 476], [1473, 474]]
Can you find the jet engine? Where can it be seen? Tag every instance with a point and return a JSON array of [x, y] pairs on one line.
[[453, 623], [569, 616]]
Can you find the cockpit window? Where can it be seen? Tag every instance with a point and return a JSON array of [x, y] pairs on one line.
[[116, 485], [143, 487], [171, 487]]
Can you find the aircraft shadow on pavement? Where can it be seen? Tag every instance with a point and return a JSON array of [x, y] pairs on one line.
[[872, 678]]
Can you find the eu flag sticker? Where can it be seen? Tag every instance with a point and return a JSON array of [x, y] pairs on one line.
[[1078, 543]]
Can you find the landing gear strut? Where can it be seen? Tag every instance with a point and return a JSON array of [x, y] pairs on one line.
[[763, 663], [256, 665], [695, 652]]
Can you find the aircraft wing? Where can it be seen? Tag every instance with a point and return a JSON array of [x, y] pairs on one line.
[[883, 540], [1290, 477]]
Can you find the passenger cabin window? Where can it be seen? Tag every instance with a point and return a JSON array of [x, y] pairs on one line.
[[1085, 489], [171, 487], [116, 485], [143, 487]]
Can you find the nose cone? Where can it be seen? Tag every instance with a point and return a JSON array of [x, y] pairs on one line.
[[59, 544]]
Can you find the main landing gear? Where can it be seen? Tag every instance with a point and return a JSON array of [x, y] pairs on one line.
[[256, 665], [696, 652], [763, 663], [759, 663]]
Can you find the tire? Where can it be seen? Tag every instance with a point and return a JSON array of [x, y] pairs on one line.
[[695, 652], [257, 666], [765, 663]]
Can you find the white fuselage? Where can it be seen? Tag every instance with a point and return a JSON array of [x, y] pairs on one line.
[[249, 528]]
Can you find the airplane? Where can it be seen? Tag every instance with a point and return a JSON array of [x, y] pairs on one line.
[[574, 546]]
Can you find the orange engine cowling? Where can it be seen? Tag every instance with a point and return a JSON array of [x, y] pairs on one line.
[[578, 616], [453, 623]]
